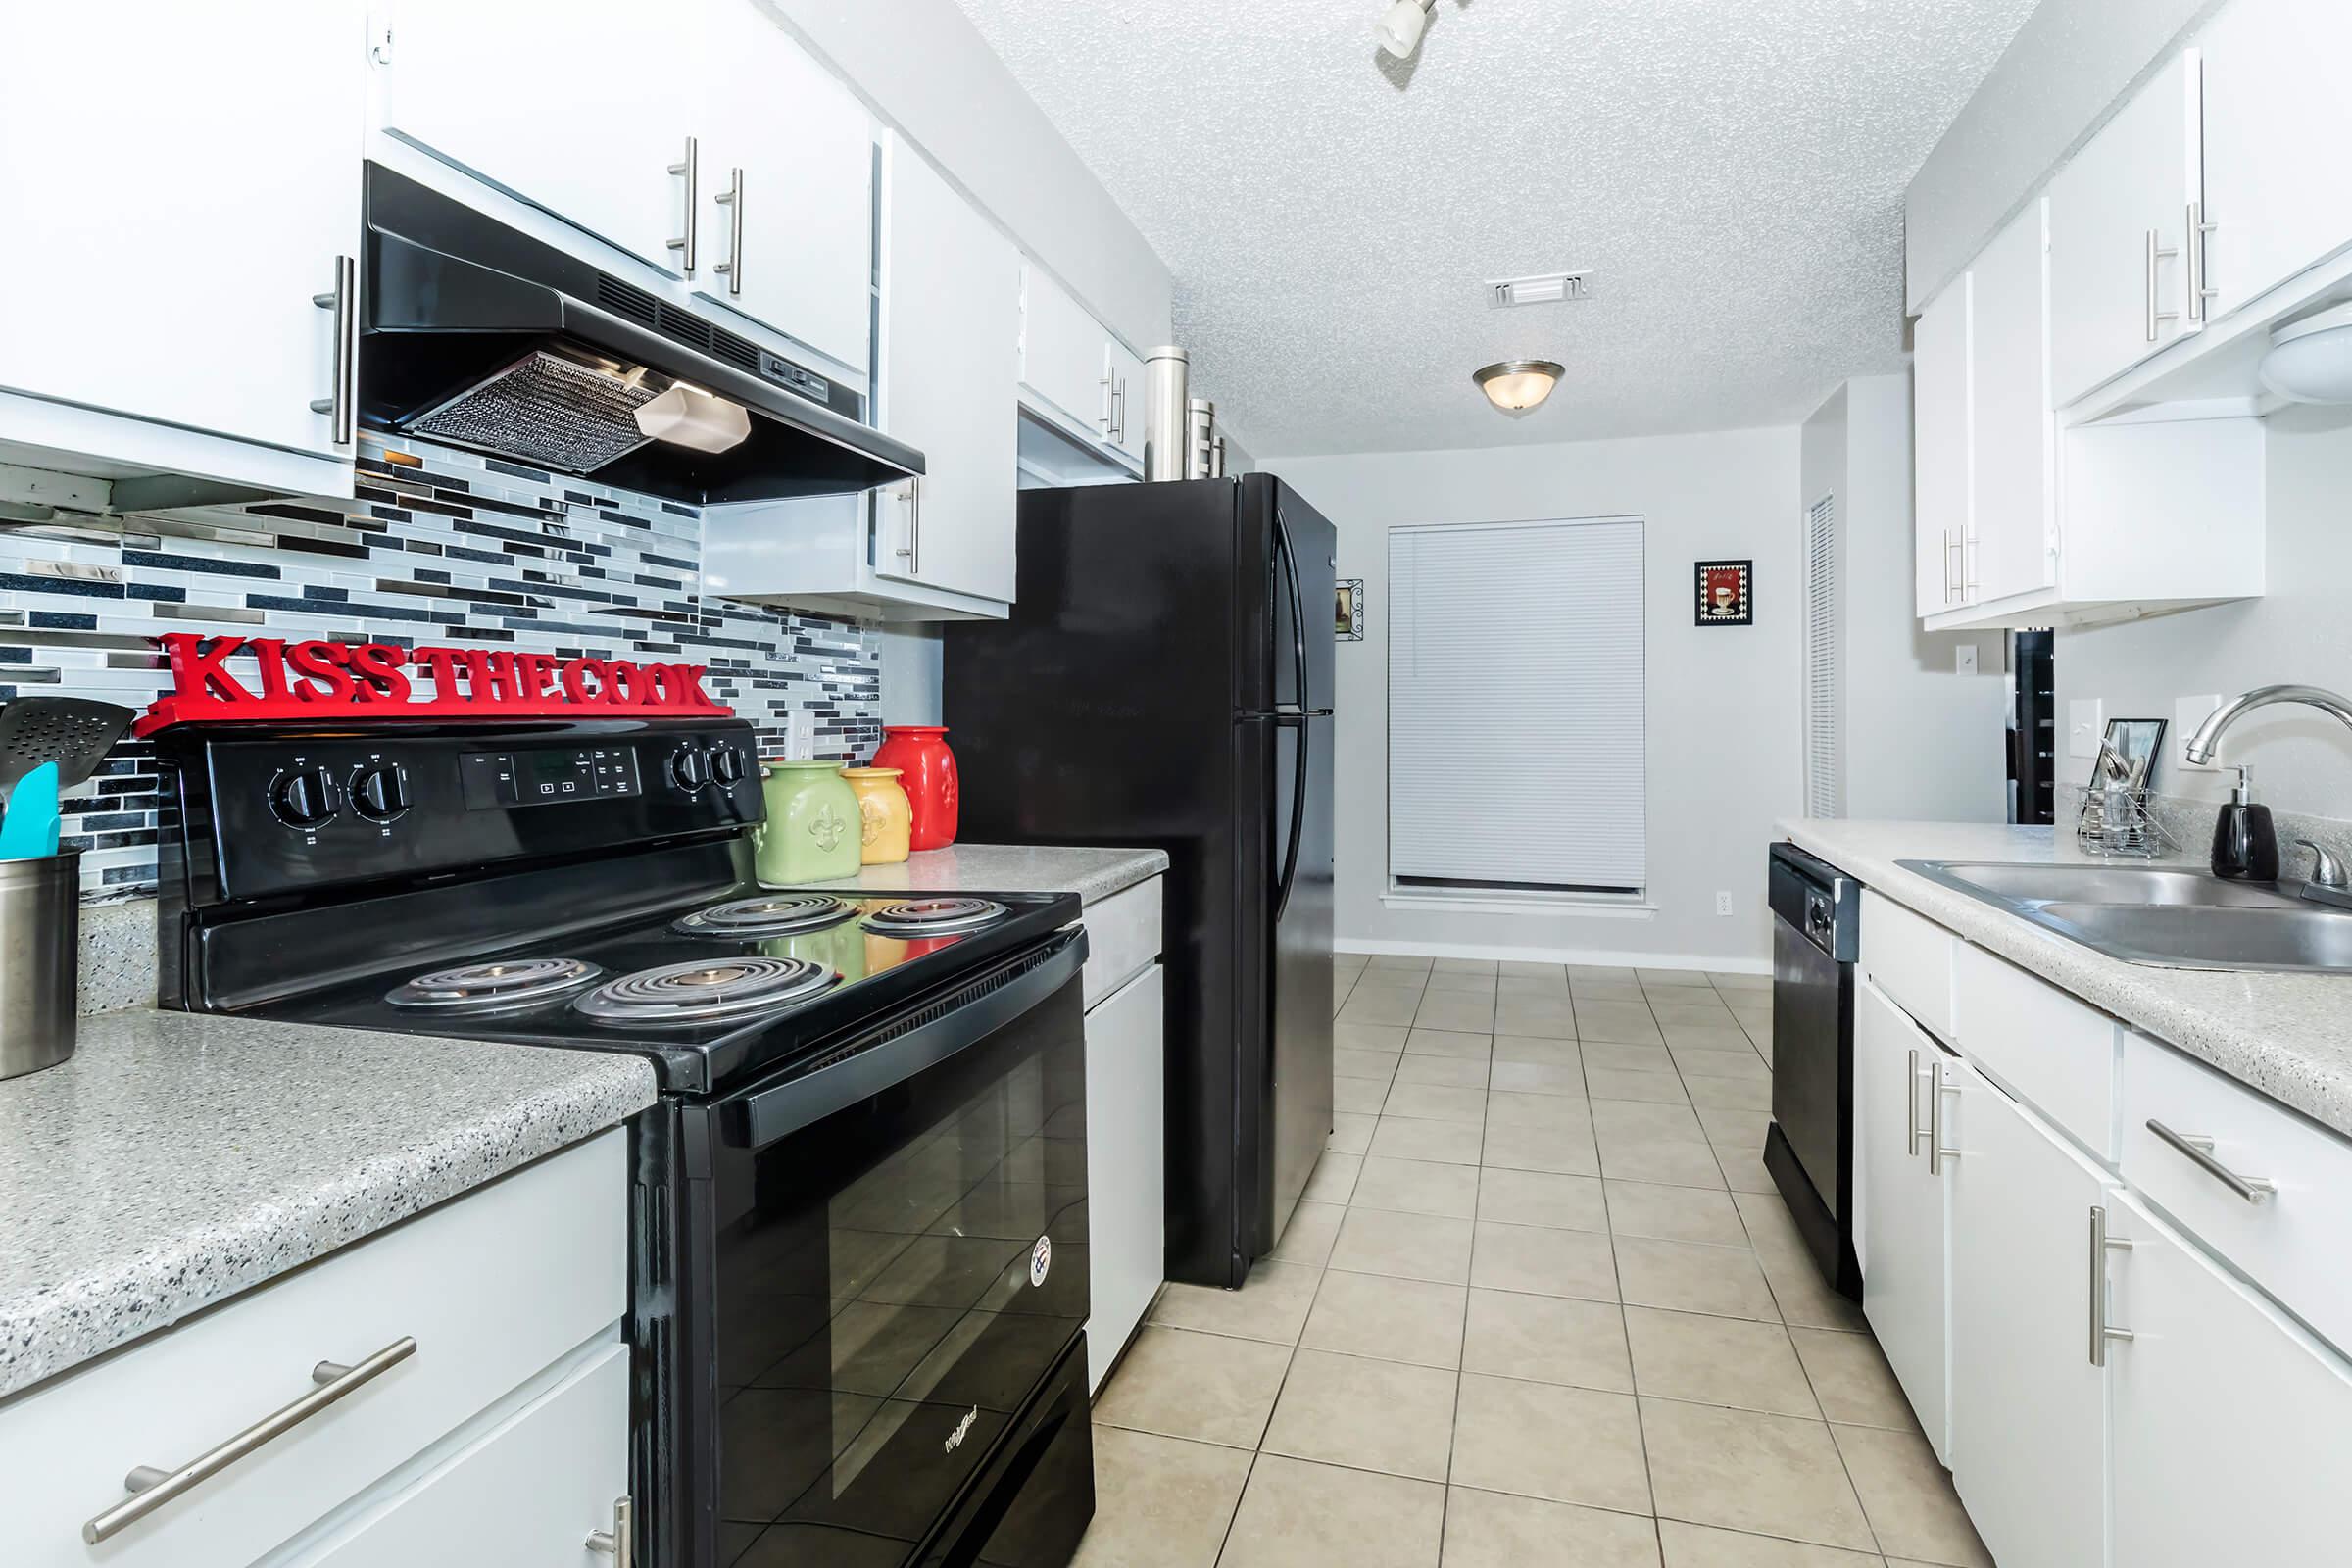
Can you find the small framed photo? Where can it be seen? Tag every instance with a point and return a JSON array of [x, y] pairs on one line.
[[1725, 593], [1349, 622]]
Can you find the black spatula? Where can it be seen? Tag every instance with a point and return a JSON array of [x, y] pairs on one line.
[[74, 732]]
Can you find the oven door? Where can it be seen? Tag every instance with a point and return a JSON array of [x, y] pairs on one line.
[[891, 1268]]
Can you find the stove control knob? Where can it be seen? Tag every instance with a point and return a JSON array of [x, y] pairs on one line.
[[688, 770], [303, 797], [380, 793], [727, 765]]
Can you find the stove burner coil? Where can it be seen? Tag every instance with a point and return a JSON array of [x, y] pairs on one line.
[[475, 985], [704, 990], [775, 915], [933, 918]]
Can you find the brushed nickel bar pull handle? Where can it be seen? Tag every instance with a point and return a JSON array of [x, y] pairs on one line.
[[2101, 1243], [2253, 1189], [151, 1488], [1968, 569], [1105, 419], [620, 1541], [732, 200], [2157, 251], [1911, 1105], [690, 168], [2200, 262], [1118, 408], [342, 406], [912, 550], [1937, 1152]]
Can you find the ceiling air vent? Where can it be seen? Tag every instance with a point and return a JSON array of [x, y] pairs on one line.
[[1552, 288], [623, 300]]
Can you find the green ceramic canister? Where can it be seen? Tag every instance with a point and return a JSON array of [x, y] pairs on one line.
[[812, 828]]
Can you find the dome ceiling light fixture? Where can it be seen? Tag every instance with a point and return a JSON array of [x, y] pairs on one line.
[[1401, 25], [1517, 385]]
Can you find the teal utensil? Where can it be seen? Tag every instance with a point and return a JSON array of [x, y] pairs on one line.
[[28, 830]]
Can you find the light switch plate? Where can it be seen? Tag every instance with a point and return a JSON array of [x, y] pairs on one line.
[[1964, 658], [2187, 713], [2085, 726]]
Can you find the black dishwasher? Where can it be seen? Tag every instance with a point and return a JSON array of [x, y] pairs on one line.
[[1816, 937]]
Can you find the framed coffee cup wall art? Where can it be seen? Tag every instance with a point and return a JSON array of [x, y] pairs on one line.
[[1725, 593]]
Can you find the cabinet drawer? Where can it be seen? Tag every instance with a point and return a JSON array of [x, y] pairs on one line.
[[2056, 1054], [1911, 959], [2293, 1240], [526, 1494], [492, 1288], [1122, 935]]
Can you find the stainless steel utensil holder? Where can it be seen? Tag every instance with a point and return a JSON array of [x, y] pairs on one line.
[[40, 957]]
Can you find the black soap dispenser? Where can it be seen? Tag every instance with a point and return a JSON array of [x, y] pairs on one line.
[[2245, 845]]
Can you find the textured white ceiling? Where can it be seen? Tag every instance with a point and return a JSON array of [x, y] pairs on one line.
[[1733, 169]]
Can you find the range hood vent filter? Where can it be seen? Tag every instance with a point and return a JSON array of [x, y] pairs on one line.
[[546, 411]]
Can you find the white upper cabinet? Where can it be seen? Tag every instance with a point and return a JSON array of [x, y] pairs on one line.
[[1944, 449], [176, 197], [2012, 429], [948, 384], [785, 175], [599, 141], [2122, 267], [2276, 123], [1072, 367]]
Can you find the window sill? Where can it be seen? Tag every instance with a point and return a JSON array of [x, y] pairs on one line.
[[1603, 906]]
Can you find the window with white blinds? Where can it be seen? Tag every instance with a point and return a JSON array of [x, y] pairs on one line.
[[1825, 776], [1516, 707]]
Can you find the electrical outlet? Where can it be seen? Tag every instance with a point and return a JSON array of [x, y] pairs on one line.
[[2085, 726], [1723, 903], [1964, 658], [800, 735], [2187, 713]]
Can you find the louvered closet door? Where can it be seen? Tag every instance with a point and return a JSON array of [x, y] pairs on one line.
[[1825, 771], [1515, 654]]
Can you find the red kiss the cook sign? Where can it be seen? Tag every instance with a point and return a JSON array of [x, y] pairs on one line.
[[223, 677]]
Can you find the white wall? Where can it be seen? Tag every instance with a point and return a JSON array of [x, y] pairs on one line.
[[922, 67], [911, 674], [1921, 740], [1723, 714], [2051, 89], [2300, 631]]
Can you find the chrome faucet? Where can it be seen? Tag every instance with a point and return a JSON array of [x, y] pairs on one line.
[[2209, 734], [2327, 884]]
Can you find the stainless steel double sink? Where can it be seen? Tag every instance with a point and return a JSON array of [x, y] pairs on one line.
[[2161, 916]]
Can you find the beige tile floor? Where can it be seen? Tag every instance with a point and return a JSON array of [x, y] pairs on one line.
[[1540, 1306]]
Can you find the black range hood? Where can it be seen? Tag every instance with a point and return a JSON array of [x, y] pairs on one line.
[[479, 336]]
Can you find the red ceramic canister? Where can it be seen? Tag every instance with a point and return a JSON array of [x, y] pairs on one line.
[[927, 772]]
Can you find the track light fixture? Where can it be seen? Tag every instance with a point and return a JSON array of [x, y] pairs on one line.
[[1401, 25]]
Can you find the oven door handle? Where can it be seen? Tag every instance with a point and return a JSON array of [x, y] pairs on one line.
[[761, 1118]]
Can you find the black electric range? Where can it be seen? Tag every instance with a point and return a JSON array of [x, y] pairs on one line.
[[858, 1211]]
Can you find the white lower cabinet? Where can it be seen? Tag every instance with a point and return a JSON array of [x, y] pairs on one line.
[[1899, 1232], [2027, 1407], [434, 1323], [1126, 1202], [526, 1494], [2232, 1428]]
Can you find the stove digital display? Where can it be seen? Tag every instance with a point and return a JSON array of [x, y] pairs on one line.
[[548, 775]]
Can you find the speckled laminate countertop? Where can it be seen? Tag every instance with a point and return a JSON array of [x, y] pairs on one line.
[[1090, 873], [2287, 1035], [178, 1159]]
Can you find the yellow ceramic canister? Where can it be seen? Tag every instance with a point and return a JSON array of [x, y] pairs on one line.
[[888, 819]]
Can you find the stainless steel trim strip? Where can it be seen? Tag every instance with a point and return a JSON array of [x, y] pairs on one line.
[[2199, 1150], [151, 1488]]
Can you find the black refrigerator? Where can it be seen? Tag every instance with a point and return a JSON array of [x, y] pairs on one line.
[[1165, 680]]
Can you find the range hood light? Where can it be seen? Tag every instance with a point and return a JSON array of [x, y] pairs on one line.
[[1516, 385], [2311, 361], [684, 417]]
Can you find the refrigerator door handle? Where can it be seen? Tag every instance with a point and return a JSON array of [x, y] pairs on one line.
[[1299, 721]]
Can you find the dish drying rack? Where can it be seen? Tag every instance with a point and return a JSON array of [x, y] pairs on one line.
[[2122, 824]]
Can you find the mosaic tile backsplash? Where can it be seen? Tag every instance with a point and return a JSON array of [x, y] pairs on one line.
[[439, 546]]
